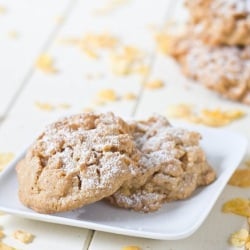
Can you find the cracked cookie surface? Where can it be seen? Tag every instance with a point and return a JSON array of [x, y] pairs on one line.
[[171, 167], [219, 22], [76, 161]]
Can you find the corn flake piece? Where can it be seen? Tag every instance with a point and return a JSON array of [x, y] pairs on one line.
[[239, 238], [240, 178], [107, 95], [5, 158], [3, 246], [63, 106], [180, 110], [13, 34], [237, 206], [46, 63], [129, 96], [23, 236], [156, 84], [131, 248], [1, 234], [45, 106], [2, 9], [109, 7]]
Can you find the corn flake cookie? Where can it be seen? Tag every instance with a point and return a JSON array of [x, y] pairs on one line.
[[171, 167], [76, 161]]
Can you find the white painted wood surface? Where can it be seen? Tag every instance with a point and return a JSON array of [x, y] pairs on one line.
[[39, 26]]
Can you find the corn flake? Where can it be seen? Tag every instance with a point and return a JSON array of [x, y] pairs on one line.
[[240, 238], [5, 158], [237, 206], [240, 178], [131, 248], [107, 95], [23, 236], [129, 96], [156, 84], [46, 63]]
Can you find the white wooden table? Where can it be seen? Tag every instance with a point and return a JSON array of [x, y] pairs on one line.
[[31, 28]]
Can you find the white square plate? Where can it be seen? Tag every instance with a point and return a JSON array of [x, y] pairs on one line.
[[174, 220]]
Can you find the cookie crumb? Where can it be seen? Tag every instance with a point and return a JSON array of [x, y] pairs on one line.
[[46, 64], [239, 206], [239, 239], [23, 236], [155, 84], [131, 248], [5, 159]]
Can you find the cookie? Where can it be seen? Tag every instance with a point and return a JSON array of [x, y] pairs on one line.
[[221, 22], [223, 69], [76, 161], [171, 167]]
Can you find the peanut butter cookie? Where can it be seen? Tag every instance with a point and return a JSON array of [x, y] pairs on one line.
[[171, 167], [76, 161]]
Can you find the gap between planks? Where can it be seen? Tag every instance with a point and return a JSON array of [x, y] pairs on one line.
[[48, 42]]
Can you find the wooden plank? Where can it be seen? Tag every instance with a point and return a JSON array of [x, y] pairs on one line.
[[70, 84], [25, 28]]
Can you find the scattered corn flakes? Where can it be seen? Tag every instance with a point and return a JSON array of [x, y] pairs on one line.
[[91, 44], [214, 118], [131, 248], [129, 96], [46, 63], [239, 206], [240, 178], [107, 95], [164, 43], [127, 60], [5, 158], [240, 238], [6, 247], [156, 84], [23, 236]]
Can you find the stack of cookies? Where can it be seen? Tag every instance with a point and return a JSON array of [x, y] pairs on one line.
[[136, 165], [214, 46]]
